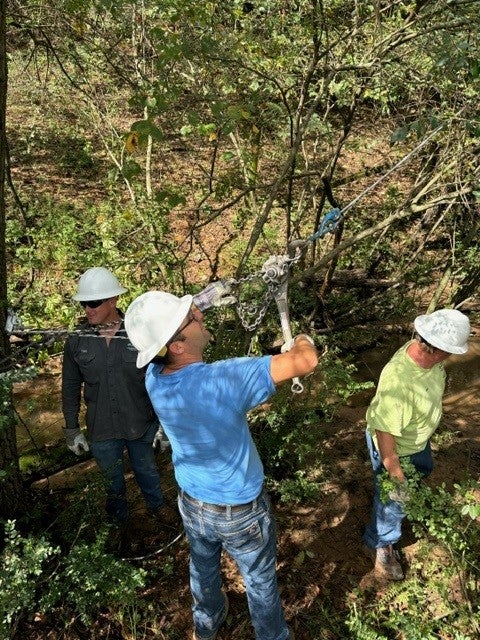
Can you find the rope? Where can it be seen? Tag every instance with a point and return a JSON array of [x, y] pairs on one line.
[[392, 169], [24, 333]]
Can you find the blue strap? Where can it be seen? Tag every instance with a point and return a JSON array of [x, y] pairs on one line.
[[327, 225]]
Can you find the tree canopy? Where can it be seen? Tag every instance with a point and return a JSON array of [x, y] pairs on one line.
[[246, 122]]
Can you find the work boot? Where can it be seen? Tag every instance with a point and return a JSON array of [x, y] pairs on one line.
[[387, 563], [223, 617]]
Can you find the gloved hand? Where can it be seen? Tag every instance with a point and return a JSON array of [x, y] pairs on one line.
[[215, 294], [160, 439], [401, 493], [76, 441], [289, 344]]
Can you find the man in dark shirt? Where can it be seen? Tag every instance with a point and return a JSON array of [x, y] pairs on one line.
[[100, 359]]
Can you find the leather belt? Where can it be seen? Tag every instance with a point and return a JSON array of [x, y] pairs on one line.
[[221, 508]]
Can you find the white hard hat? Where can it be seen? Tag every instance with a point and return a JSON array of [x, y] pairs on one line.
[[152, 319], [445, 329], [98, 283]]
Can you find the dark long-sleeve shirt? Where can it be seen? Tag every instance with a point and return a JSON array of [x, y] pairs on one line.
[[113, 388]]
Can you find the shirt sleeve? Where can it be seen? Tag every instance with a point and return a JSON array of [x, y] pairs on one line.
[[255, 385], [71, 387]]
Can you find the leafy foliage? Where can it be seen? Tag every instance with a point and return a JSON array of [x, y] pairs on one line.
[[287, 432], [177, 142], [23, 564], [445, 576], [90, 579], [36, 575], [251, 108]]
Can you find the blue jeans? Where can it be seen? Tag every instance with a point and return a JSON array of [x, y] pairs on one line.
[[108, 455], [385, 526], [249, 537]]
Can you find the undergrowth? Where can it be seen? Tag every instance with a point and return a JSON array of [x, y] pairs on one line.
[[439, 597], [67, 572]]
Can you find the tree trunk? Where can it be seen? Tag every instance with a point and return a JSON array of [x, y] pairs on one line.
[[10, 478]]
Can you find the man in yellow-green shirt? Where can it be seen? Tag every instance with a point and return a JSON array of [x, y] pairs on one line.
[[401, 419]]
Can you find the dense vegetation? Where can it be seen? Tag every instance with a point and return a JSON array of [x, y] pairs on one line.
[[177, 142]]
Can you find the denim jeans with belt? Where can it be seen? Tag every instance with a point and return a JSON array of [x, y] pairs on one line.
[[385, 526], [108, 455], [248, 534]]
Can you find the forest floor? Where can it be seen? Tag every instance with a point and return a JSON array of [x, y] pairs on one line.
[[320, 559]]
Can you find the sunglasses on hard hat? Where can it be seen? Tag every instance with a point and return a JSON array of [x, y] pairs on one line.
[[93, 304]]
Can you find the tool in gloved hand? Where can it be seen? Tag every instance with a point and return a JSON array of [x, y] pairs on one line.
[[400, 493], [275, 270]]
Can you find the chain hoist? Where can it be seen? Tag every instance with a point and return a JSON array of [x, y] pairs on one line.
[[275, 272]]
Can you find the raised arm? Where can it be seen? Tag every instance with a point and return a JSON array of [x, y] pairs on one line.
[[300, 360]]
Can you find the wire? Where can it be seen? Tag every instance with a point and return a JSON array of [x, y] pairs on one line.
[[153, 553], [332, 219], [391, 170]]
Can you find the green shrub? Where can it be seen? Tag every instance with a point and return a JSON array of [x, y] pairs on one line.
[[444, 575], [287, 432], [35, 575], [22, 573], [90, 579]]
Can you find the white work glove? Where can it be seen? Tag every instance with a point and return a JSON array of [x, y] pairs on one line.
[[160, 439], [13, 322], [76, 441], [289, 344], [215, 294], [401, 493]]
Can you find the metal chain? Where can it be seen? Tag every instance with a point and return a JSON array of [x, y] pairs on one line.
[[273, 273], [246, 310]]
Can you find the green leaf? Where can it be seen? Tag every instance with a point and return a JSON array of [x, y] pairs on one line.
[[147, 128], [131, 169], [172, 198], [399, 135], [475, 68]]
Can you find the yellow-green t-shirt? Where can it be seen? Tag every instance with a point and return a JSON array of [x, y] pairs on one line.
[[407, 403]]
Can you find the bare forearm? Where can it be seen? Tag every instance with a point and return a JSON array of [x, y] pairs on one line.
[[392, 465], [300, 360], [388, 452], [306, 356]]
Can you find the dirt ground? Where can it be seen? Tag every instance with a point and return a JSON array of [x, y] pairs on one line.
[[319, 547]]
